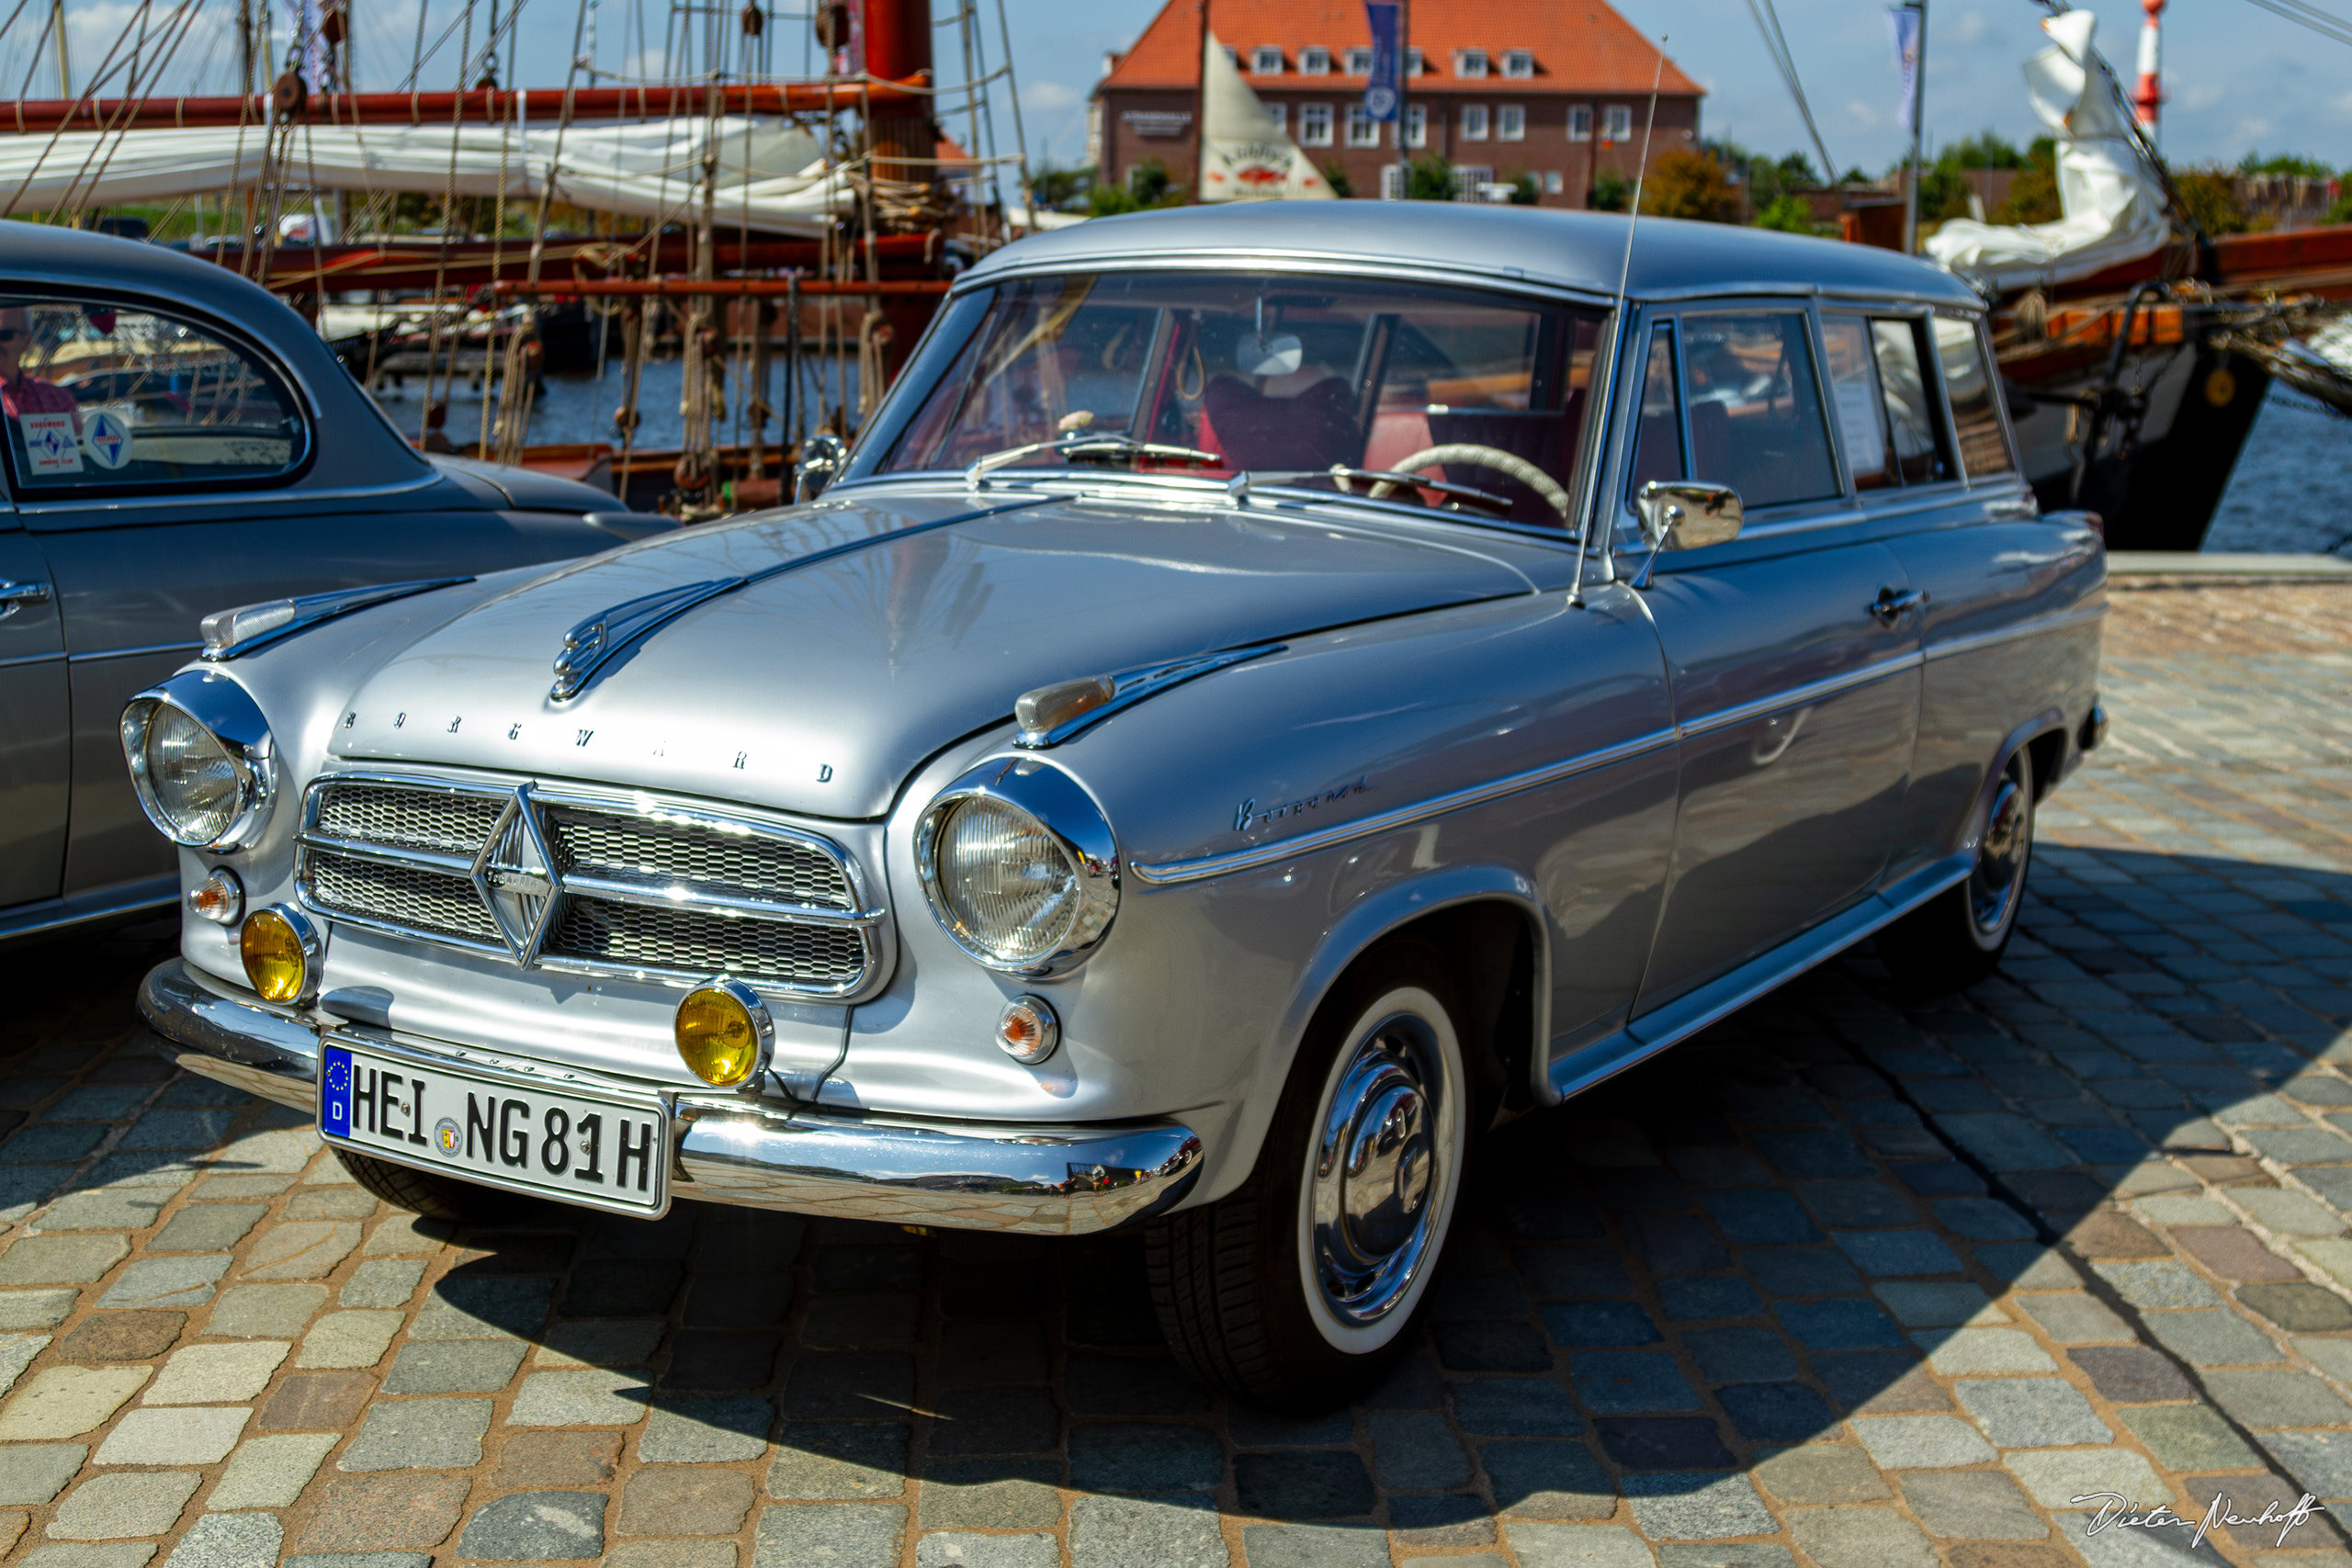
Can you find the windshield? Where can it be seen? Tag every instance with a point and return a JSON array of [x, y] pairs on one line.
[[1281, 375]]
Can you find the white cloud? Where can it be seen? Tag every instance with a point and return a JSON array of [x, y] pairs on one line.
[[1863, 115], [2205, 96], [1968, 28], [1048, 95]]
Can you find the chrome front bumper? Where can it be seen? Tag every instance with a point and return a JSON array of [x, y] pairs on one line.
[[1043, 1180]]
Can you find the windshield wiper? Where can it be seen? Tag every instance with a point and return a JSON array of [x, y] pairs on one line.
[[1110, 444], [1384, 480]]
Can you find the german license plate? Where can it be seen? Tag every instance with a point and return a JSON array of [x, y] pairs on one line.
[[579, 1148]]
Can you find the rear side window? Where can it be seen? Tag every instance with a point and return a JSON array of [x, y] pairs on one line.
[[1968, 386], [1890, 427], [1755, 415], [99, 398]]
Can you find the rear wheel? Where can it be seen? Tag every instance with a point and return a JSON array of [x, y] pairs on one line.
[[1296, 1291], [419, 1191], [1957, 938]]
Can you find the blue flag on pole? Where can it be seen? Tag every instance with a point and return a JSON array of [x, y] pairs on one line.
[[1903, 22], [1385, 87]]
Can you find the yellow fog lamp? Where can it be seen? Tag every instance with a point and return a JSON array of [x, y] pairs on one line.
[[724, 1033], [281, 949]]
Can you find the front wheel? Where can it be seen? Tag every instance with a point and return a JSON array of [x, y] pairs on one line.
[[1296, 1292], [1957, 938]]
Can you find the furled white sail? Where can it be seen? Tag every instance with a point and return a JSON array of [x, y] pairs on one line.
[[2115, 205], [770, 174], [1245, 156]]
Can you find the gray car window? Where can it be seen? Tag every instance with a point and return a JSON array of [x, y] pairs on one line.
[[1755, 416], [1968, 385], [98, 398]]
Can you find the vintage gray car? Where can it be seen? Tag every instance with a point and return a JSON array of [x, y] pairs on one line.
[[1182, 772], [176, 440]]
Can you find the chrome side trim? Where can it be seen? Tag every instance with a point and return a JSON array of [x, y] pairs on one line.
[[1129, 687], [292, 494], [1950, 646], [1013, 1178], [1206, 866], [221, 641], [39, 918], [24, 660], [1653, 1031], [1812, 692]]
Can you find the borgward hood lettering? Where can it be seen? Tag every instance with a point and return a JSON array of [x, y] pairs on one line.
[[809, 661]]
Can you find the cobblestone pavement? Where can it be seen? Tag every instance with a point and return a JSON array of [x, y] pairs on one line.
[[1852, 1280]]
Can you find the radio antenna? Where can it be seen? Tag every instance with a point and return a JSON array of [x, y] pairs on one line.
[[1625, 275]]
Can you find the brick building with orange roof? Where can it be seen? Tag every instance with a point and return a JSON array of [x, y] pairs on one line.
[[1557, 89]]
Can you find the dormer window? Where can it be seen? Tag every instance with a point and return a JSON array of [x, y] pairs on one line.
[[1315, 61], [1519, 63], [1265, 60], [1412, 63], [1470, 64], [1359, 62]]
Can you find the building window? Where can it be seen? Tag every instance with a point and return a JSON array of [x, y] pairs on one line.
[[1315, 125], [1468, 178], [1552, 185], [1580, 122], [1413, 63], [1519, 63], [1473, 122], [1511, 122], [1265, 60], [1470, 63], [1282, 116], [1362, 129], [1417, 125], [1392, 183], [1359, 62], [1619, 125], [1315, 61]]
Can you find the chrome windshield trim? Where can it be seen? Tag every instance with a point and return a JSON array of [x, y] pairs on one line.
[[1950, 646], [1812, 692], [1206, 866]]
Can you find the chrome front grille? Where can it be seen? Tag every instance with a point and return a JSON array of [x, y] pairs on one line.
[[563, 878]]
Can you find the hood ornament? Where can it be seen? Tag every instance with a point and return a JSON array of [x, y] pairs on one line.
[[594, 642]]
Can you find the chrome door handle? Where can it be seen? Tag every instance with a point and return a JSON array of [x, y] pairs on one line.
[[14, 596], [1890, 605]]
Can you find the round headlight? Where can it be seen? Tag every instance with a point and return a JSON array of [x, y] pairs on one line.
[[1019, 867], [724, 1033], [198, 751], [280, 948]]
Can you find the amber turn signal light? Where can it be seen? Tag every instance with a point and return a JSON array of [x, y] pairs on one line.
[[1028, 1032], [280, 948], [724, 1033]]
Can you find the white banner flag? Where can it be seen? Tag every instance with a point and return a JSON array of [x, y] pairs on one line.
[[1244, 154], [1903, 22]]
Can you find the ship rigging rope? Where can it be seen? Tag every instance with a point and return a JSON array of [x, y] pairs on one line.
[[128, 113], [1767, 22], [2324, 23], [107, 68]]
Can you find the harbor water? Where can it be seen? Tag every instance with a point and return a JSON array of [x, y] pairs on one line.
[[2291, 493]]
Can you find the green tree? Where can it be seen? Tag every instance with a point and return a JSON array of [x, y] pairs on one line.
[[1337, 178], [1525, 192], [1790, 215], [2211, 198], [2034, 194], [1611, 192], [1430, 179], [1683, 184], [2285, 164], [1059, 188]]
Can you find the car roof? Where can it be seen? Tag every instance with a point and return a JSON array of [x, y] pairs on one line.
[[75, 261], [1672, 258]]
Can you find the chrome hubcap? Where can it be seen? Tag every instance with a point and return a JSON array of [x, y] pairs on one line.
[[1377, 1171], [2000, 859]]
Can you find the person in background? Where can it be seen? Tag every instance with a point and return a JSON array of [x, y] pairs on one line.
[[21, 392]]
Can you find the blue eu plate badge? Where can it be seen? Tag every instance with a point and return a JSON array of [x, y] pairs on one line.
[[334, 1094]]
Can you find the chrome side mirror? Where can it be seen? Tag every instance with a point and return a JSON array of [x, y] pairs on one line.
[[821, 456], [1688, 514]]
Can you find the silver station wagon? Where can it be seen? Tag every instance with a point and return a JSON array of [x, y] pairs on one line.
[[1274, 692]]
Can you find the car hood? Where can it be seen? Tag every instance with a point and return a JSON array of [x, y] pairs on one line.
[[876, 628]]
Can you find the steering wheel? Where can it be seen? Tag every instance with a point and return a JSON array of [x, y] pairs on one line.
[[1494, 457]]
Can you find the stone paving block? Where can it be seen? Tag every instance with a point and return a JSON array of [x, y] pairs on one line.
[[382, 1282], [2321, 1462], [1858, 1205], [670, 1554], [2155, 1285], [230, 1540], [1512, 1407], [849, 1385], [419, 1433], [2300, 1308], [2030, 1413], [122, 1554], [2288, 1213], [407, 1236], [678, 1501], [1802, 1271], [2054, 1477], [1574, 1270], [2266, 1397], [1760, 1216], [1667, 1442], [1859, 1537], [1740, 1354], [2301, 1146], [1590, 1325], [2190, 1437], [1897, 1253], [217, 1374], [966, 1551], [2003, 1142], [265, 1312], [122, 1208], [166, 1282], [1694, 1299], [1538, 1545], [2212, 1339], [860, 1460], [1416, 1452], [207, 1227], [1252, 1428], [1630, 1381], [2106, 1237], [1846, 1325], [1921, 1304], [1875, 1382], [709, 1430], [1821, 1472], [1121, 1457], [549, 1461], [182, 1434], [65, 1401], [1008, 1495], [270, 1472], [1547, 1481], [1920, 1442], [36, 1309], [123, 1337], [531, 1527], [60, 1259], [1314, 1546], [316, 1402], [1449, 1519], [332, 1203], [1697, 1506], [2132, 1375], [580, 1399], [110, 1508], [1312, 1484], [624, 1342], [1974, 1505], [1957, 1350], [2077, 1319], [2028, 1266], [2234, 1253], [454, 1366], [2333, 1357], [479, 1308], [35, 1472], [348, 1339]]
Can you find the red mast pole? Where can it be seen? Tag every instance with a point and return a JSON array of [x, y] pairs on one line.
[[2151, 96]]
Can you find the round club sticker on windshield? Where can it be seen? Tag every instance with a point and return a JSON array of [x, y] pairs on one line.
[[108, 436]]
